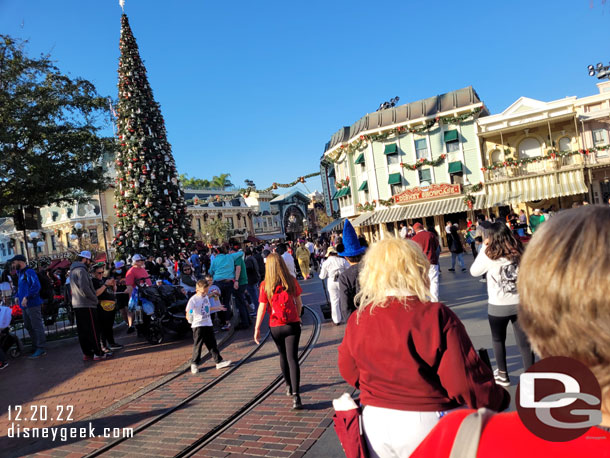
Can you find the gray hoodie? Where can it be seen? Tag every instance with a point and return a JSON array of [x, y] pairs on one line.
[[81, 286]]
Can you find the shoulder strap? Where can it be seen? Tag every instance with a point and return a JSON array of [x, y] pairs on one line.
[[466, 443]]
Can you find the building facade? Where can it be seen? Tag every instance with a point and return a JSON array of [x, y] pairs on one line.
[[266, 217], [415, 162], [547, 155]]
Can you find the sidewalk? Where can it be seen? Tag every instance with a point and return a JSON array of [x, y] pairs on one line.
[[63, 379]]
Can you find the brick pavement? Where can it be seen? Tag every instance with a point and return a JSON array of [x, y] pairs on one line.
[[62, 379], [272, 428]]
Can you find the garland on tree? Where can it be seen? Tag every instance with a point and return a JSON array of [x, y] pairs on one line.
[[420, 163], [552, 153], [363, 140], [150, 206]]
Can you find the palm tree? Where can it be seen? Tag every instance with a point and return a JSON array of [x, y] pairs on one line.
[[222, 181]]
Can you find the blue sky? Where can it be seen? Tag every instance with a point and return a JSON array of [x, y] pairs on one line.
[[256, 89]]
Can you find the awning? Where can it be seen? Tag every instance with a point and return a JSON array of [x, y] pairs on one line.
[[336, 195], [253, 239], [394, 178], [335, 225], [572, 182], [390, 149], [455, 167], [362, 220], [497, 194], [62, 264], [390, 215], [451, 136], [539, 187], [364, 186], [270, 236], [101, 257], [359, 159], [442, 207]]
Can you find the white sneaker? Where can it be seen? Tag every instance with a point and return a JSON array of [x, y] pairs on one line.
[[194, 368], [223, 364]]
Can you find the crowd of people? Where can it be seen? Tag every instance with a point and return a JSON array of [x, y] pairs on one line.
[[409, 355]]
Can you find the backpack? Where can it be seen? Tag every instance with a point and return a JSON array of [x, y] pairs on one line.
[[46, 287], [283, 308]]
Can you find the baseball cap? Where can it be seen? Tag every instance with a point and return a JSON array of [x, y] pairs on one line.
[[138, 257], [18, 257], [418, 227], [118, 264], [85, 254]]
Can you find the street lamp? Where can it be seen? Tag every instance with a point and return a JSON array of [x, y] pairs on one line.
[[600, 70], [77, 233], [36, 241]]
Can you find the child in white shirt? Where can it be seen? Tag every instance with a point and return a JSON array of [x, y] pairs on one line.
[[198, 313]]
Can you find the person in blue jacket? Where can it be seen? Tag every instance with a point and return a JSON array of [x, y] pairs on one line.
[[28, 294]]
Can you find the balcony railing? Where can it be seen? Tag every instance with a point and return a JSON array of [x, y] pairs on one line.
[[545, 165]]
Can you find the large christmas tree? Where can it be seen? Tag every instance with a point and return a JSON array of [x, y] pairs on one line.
[[150, 206]]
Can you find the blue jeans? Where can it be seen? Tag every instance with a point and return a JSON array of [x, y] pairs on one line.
[[242, 307], [253, 293], [32, 320], [460, 258]]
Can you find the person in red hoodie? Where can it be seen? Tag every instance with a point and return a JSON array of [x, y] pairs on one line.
[[411, 359], [564, 310], [429, 245]]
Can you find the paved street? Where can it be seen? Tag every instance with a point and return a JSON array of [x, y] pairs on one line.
[[271, 428]]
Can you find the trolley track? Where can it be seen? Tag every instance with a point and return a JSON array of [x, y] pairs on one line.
[[232, 418], [204, 440]]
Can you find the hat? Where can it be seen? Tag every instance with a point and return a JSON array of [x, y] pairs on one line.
[[138, 257], [17, 257], [537, 210], [350, 241], [331, 249], [118, 264], [418, 227], [85, 254]]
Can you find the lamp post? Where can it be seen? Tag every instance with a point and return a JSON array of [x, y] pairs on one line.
[[36, 241], [77, 233]]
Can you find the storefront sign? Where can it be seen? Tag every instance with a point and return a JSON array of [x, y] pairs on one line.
[[429, 192]]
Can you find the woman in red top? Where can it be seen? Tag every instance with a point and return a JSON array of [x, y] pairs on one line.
[[280, 295], [411, 359]]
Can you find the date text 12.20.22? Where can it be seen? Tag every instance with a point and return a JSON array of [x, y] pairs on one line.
[[40, 413]]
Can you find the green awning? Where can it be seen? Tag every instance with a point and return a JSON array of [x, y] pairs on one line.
[[455, 167], [390, 149], [336, 195], [347, 191], [359, 159], [394, 178], [451, 136], [364, 186]]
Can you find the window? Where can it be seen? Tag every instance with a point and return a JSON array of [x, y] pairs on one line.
[[453, 147], [421, 148], [600, 137], [230, 222], [457, 178], [452, 140], [530, 147], [497, 156], [393, 159], [2, 249], [424, 175], [565, 144], [396, 189]]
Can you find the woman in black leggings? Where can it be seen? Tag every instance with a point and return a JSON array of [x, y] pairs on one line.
[[499, 258], [280, 295]]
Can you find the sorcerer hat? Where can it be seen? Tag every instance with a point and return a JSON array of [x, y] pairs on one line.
[[350, 241]]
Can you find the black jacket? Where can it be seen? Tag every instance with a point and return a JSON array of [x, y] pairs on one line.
[[349, 285]]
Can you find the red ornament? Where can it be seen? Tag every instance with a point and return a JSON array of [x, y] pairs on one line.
[[470, 204]]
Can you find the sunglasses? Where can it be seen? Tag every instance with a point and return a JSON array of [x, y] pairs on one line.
[[99, 273]]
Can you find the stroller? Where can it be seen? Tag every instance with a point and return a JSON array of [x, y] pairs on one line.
[[161, 308]]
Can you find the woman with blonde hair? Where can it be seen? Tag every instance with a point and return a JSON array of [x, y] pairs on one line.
[[280, 295], [411, 359], [564, 310]]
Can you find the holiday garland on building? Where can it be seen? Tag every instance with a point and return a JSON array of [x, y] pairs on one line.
[[552, 153], [150, 206], [363, 140], [421, 162]]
